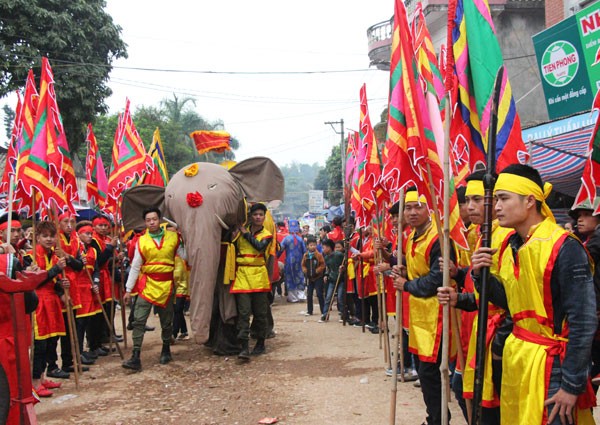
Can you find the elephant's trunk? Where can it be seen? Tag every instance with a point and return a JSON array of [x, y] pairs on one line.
[[203, 276]]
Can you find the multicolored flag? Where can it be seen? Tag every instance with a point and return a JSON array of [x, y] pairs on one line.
[[159, 176], [350, 156], [357, 179], [129, 159], [44, 167], [426, 58], [371, 192], [476, 59], [211, 141], [12, 155], [29, 110], [403, 148], [591, 173], [97, 183]]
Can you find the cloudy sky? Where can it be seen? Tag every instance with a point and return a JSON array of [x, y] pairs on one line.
[[266, 58]]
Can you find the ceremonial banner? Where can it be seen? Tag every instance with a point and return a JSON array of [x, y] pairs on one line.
[[403, 148], [351, 155], [97, 183], [211, 141], [477, 58], [591, 173], [159, 176], [12, 155], [129, 159], [371, 192], [24, 140], [44, 167]]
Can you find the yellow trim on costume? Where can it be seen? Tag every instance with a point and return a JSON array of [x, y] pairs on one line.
[[229, 272], [475, 188], [413, 196], [524, 186]]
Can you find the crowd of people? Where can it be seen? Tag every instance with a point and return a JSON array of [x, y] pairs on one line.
[[542, 346], [542, 343], [84, 265]]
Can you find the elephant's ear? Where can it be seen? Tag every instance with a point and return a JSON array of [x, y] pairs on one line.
[[138, 198], [260, 179]]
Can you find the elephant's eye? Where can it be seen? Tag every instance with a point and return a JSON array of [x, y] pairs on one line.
[[212, 186]]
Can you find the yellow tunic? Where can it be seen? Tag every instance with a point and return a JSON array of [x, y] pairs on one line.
[[530, 348], [251, 274], [425, 314], [495, 316], [181, 275], [156, 280]]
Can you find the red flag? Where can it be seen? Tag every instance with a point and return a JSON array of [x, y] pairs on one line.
[[371, 193], [351, 155], [159, 176], [591, 173], [403, 148], [211, 141], [12, 155], [97, 183], [24, 141], [43, 169], [129, 159]]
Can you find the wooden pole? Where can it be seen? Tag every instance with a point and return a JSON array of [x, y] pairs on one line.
[[489, 181], [112, 290], [399, 351], [11, 192], [33, 250], [72, 336], [106, 319], [73, 339], [122, 301], [445, 248]]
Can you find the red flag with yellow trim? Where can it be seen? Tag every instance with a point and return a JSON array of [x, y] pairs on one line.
[[44, 167], [129, 159], [211, 141]]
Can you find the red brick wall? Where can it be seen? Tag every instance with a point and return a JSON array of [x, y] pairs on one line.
[[554, 12]]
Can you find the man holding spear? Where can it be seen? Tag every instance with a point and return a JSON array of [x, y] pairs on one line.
[[420, 278], [545, 281], [467, 301]]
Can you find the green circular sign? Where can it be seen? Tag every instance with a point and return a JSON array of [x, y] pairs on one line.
[[560, 63]]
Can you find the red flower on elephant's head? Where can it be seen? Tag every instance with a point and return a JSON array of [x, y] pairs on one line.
[[194, 199]]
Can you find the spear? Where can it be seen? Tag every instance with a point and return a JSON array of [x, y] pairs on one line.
[[486, 238]]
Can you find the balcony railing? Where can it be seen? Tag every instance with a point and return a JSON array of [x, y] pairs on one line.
[[380, 41]]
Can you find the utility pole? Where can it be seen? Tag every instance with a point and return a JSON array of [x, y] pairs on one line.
[[342, 152]]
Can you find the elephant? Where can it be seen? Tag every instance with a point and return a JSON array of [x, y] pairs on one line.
[[220, 206]]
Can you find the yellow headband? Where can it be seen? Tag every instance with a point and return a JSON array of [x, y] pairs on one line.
[[475, 188], [413, 196], [523, 186]]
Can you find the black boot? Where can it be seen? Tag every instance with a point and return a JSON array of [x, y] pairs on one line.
[[165, 354], [245, 353], [134, 363], [259, 348]]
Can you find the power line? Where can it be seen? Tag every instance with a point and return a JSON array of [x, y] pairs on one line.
[[57, 63]]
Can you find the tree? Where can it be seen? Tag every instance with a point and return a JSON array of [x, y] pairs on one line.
[[9, 117], [80, 40]]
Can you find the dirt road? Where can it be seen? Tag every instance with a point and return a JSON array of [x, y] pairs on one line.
[[312, 373]]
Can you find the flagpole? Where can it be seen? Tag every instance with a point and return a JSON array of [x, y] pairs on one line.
[[445, 248], [11, 194], [72, 329], [486, 239], [398, 352]]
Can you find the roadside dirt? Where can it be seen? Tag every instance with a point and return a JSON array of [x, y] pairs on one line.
[[312, 373]]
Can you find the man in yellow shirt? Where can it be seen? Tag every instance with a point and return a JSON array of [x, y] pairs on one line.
[[252, 285], [544, 281], [154, 263]]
